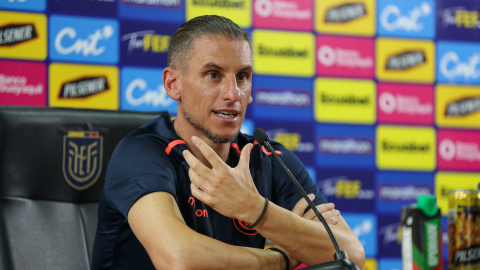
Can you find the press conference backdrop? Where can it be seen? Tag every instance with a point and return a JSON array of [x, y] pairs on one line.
[[380, 99]]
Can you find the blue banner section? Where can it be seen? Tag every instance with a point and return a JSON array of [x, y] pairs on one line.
[[406, 18], [248, 126], [458, 62], [390, 264], [296, 137], [458, 20], [81, 7], [389, 244], [364, 226], [397, 189], [345, 146], [26, 5], [445, 239], [282, 98], [159, 10], [145, 43], [83, 39], [142, 90], [349, 190], [312, 173]]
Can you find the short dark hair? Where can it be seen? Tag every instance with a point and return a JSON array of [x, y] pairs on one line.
[[180, 45]]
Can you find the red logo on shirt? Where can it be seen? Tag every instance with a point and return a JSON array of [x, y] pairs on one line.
[[241, 227]]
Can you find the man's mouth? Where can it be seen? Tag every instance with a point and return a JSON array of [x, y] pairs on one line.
[[225, 114]]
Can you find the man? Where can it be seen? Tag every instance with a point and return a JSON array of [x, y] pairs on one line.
[[179, 195]]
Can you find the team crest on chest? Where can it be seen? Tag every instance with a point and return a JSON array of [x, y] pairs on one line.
[[242, 227]]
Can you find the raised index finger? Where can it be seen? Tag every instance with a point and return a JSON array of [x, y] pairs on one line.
[[208, 153]]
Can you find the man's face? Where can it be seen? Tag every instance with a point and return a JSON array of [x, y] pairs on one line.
[[217, 86]]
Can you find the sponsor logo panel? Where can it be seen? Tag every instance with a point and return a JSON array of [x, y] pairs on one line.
[[83, 86], [346, 17], [345, 101], [405, 60], [396, 189], [81, 7], [283, 14], [446, 181], [282, 98], [407, 18], [458, 106], [345, 56], [458, 150], [23, 35], [283, 53], [345, 146], [145, 43], [370, 264], [349, 190], [458, 62], [406, 148], [298, 138], [390, 264], [27, 5], [458, 20], [23, 83], [388, 236], [143, 90], [364, 226], [156, 10], [405, 104], [239, 11], [84, 39]]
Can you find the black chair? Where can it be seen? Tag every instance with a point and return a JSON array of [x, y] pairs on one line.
[[52, 169]]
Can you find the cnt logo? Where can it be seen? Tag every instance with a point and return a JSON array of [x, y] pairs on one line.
[[391, 18], [87, 46], [154, 97], [281, 9], [451, 67], [403, 104]]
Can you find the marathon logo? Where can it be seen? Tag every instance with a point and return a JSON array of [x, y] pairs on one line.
[[283, 98], [154, 3], [406, 60], [463, 107], [282, 52], [220, 3], [349, 100], [84, 87], [345, 146], [345, 13], [13, 34], [402, 192], [405, 147]]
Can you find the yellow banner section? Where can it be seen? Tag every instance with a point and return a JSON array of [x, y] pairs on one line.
[[345, 101], [239, 11], [405, 60], [446, 181], [83, 86], [23, 35], [370, 264], [349, 17], [406, 148], [458, 106], [283, 53]]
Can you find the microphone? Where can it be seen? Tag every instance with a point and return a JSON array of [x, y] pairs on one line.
[[341, 261]]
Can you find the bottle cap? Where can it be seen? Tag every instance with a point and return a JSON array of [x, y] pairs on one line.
[[427, 204]]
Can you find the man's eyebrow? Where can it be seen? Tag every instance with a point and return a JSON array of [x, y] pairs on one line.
[[212, 65], [249, 68]]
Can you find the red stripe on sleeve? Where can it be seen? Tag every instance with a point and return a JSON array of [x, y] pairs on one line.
[[173, 144]]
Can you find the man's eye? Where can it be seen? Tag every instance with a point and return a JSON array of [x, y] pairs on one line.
[[241, 76], [213, 75]]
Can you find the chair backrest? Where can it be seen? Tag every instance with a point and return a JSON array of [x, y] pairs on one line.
[[52, 169]]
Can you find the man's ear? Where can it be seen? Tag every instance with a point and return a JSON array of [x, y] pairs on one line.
[[171, 82]]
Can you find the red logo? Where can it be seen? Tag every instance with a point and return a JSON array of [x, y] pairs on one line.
[[242, 227]]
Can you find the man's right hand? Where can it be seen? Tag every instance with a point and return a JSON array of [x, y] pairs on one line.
[[327, 210]]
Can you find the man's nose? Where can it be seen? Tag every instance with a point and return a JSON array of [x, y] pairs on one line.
[[230, 89]]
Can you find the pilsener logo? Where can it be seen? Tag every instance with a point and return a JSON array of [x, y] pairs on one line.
[[459, 20], [84, 39], [407, 18], [283, 14], [405, 60], [23, 35], [406, 148], [458, 106], [239, 11], [283, 53], [83, 86], [459, 150], [347, 101], [446, 181], [346, 17], [458, 62]]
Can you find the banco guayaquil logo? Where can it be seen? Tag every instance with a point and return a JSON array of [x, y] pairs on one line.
[[82, 158]]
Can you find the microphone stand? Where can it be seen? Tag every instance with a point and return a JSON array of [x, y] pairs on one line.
[[341, 261]]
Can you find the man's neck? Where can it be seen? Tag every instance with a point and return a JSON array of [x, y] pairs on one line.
[[185, 131]]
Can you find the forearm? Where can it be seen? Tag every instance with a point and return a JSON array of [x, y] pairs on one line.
[[308, 240]]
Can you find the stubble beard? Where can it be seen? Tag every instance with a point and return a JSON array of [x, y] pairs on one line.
[[208, 133]]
